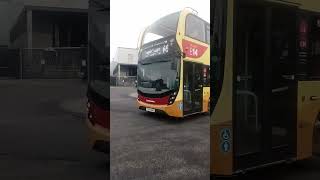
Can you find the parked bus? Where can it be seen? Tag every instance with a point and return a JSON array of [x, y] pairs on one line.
[[98, 120], [265, 83], [174, 66]]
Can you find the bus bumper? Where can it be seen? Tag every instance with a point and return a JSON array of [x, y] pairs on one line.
[[99, 137], [174, 110]]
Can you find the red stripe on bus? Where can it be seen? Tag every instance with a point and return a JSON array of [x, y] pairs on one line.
[[99, 115], [192, 49], [157, 101]]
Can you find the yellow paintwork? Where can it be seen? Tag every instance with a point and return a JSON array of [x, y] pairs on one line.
[[206, 99], [308, 111], [97, 133], [173, 110], [204, 59], [310, 5], [222, 163]]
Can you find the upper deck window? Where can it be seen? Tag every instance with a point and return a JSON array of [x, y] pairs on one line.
[[164, 27], [196, 28]]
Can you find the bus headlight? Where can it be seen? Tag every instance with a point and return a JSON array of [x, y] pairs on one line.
[[172, 98]]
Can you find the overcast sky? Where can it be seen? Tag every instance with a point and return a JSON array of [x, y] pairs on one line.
[[129, 18]]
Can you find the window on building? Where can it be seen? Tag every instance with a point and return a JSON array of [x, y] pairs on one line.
[[133, 71]]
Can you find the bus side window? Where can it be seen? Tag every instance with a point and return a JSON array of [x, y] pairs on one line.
[[195, 28], [314, 63]]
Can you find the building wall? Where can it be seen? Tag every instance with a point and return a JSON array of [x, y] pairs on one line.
[[43, 25], [11, 10], [126, 56], [113, 66], [17, 5], [18, 32], [42, 31], [5, 23], [20, 41]]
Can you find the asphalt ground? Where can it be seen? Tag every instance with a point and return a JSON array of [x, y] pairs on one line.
[[43, 134], [152, 146]]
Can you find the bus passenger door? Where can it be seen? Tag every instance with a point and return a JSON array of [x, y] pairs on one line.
[[264, 124], [192, 88]]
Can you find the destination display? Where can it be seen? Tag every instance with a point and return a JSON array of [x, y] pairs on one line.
[[159, 47]]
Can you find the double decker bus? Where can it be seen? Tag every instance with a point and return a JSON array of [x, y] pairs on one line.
[[265, 78], [174, 66], [98, 120]]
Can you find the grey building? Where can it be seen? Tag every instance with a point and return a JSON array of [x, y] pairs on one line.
[[5, 23], [123, 68], [50, 36], [42, 27]]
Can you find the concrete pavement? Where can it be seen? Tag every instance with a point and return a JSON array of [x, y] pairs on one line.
[[43, 134], [152, 146]]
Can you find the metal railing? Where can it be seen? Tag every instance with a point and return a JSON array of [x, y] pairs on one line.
[[128, 81], [58, 63]]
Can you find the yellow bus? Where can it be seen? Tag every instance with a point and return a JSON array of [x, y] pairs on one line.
[[174, 65], [266, 77]]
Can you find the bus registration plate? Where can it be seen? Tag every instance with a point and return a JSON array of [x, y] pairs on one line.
[[150, 110]]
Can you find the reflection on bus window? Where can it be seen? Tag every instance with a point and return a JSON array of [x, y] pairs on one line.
[[195, 28], [99, 67], [157, 77], [166, 26]]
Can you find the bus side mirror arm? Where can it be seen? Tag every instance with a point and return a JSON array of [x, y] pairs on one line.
[[215, 40], [184, 55]]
